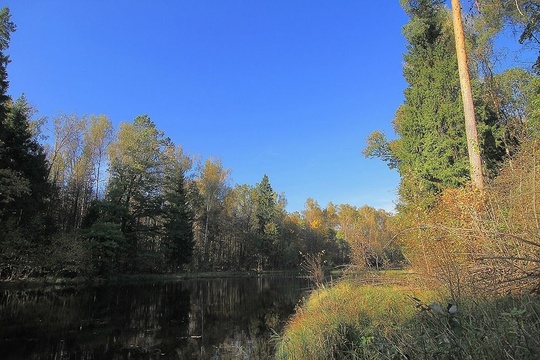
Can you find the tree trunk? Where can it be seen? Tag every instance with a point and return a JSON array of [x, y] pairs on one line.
[[466, 95]]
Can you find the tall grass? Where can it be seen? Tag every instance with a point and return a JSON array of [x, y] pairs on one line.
[[345, 321], [357, 321]]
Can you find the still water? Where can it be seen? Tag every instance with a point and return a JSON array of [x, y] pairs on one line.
[[226, 318]]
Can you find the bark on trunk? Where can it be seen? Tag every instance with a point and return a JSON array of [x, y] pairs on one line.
[[471, 131]]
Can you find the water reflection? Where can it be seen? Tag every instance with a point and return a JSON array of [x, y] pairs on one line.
[[226, 318]]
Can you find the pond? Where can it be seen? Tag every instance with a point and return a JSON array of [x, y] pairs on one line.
[[224, 318]]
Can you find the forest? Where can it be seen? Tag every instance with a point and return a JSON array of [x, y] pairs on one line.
[[91, 201]]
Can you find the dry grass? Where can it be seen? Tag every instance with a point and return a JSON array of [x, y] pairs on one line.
[[338, 321], [356, 321]]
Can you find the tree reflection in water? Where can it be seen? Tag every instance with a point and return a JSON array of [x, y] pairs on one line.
[[226, 318]]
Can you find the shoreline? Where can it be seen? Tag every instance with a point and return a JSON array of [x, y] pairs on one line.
[[46, 281]]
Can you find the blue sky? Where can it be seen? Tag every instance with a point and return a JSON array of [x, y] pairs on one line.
[[286, 88]]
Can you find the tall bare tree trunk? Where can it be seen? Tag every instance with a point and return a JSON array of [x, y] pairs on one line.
[[466, 95]]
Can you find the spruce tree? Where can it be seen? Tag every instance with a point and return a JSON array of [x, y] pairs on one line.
[[23, 167], [265, 213], [178, 224], [431, 150], [24, 189]]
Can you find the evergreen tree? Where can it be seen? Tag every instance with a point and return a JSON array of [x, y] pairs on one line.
[[267, 228], [22, 160], [24, 190], [23, 168], [431, 151], [178, 224], [432, 148], [266, 204]]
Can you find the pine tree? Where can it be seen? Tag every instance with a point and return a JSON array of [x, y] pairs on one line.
[[266, 204]]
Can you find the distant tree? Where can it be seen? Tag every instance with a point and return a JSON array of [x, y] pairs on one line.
[[135, 190], [242, 227], [177, 217], [97, 139], [267, 227], [71, 170], [368, 233], [211, 189]]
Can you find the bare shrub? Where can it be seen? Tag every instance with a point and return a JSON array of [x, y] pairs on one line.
[[313, 267], [483, 241]]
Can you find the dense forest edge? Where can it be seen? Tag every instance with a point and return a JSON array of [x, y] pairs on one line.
[[94, 202], [471, 287]]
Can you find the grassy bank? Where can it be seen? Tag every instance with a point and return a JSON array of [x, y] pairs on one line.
[[351, 320]]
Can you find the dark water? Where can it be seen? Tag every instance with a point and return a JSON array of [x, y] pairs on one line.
[[227, 318]]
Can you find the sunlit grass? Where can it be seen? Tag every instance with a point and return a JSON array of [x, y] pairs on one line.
[[338, 321], [357, 321]]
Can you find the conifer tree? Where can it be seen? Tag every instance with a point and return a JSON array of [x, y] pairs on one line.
[[432, 148], [24, 190], [431, 151], [23, 168], [177, 239], [265, 213]]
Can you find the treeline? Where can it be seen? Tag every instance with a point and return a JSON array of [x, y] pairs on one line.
[[93, 200]]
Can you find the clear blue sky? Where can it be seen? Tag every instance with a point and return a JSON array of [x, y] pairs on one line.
[[286, 88]]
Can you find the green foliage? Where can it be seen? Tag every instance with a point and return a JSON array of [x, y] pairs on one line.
[[178, 225], [105, 242], [266, 215], [24, 220], [379, 147], [136, 184], [22, 159], [431, 150], [69, 256]]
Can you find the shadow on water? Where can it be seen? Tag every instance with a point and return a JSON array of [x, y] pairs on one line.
[[226, 318]]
